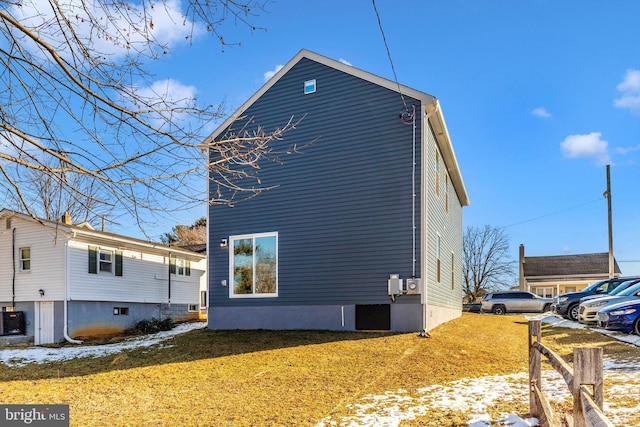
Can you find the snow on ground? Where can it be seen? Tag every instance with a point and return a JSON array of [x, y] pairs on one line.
[[472, 395], [476, 395], [24, 356]]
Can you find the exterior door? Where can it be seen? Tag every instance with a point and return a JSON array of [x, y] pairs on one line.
[[43, 333]]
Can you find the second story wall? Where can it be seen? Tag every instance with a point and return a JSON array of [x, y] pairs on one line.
[[31, 258]]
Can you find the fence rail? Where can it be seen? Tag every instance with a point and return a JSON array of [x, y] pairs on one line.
[[584, 380]]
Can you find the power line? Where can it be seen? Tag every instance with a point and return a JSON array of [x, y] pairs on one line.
[[395, 76], [553, 213]]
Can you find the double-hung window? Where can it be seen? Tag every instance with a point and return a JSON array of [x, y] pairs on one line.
[[179, 266], [25, 259], [254, 265], [106, 261]]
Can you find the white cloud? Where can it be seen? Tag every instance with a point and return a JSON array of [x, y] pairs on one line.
[[630, 89], [114, 29], [169, 91], [590, 146], [541, 112], [344, 61], [270, 74], [627, 150]]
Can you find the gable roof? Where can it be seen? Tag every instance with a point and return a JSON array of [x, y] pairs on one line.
[[431, 105], [581, 265], [103, 237]]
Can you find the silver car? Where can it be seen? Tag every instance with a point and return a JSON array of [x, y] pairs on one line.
[[588, 309], [514, 302]]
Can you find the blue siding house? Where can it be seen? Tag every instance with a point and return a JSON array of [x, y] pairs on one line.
[[361, 230]]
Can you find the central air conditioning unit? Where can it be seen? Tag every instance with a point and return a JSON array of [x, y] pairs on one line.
[[12, 323]]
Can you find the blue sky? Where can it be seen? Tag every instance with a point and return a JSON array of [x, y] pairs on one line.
[[538, 95]]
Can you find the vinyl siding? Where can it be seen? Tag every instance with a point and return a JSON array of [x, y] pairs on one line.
[[144, 279], [342, 207], [447, 225], [47, 262]]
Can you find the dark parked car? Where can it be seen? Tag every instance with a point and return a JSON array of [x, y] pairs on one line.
[[567, 305], [514, 301], [471, 307], [624, 316]]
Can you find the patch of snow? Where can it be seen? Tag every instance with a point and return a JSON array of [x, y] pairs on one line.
[[476, 395], [24, 356]]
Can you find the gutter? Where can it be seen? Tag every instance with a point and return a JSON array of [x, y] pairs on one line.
[[67, 266], [13, 279]]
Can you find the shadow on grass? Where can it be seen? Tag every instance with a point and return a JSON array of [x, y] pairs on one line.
[[187, 347]]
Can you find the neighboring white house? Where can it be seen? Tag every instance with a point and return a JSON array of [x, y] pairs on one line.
[[71, 281]]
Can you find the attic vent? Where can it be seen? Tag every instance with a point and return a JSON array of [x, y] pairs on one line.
[[309, 86]]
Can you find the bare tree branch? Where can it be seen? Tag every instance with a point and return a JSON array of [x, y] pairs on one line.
[[79, 107], [485, 261]]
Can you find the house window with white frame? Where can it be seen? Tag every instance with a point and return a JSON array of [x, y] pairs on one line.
[[438, 259], [254, 265], [437, 172], [106, 260], [179, 266], [453, 276], [446, 193], [25, 259]]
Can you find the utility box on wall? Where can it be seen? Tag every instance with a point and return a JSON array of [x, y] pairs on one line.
[[395, 284], [414, 286]]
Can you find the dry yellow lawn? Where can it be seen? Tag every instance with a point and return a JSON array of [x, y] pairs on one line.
[[270, 378]]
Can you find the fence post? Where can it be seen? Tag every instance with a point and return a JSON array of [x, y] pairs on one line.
[[535, 375], [587, 370]]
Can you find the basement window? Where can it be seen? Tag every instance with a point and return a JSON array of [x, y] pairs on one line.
[[120, 311], [193, 307]]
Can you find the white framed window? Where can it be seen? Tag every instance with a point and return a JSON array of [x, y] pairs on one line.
[[446, 193], [437, 172], [105, 261], [438, 259], [25, 259], [203, 298], [179, 266], [193, 307], [453, 272], [253, 265]]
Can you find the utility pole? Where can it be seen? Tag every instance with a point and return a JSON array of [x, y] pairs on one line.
[[608, 196]]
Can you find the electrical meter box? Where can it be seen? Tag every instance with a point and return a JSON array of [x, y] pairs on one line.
[[414, 286], [395, 284]]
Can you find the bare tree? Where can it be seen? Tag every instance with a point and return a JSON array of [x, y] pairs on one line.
[[186, 235], [48, 196], [77, 99], [485, 261]]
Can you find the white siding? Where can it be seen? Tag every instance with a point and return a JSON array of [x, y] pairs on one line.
[[145, 278], [47, 261]]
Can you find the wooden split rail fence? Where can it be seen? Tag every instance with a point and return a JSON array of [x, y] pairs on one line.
[[585, 382]]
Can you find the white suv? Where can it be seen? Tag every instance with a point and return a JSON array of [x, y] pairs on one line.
[[514, 301]]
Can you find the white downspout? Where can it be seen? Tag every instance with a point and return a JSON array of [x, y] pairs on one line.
[[67, 280], [424, 223]]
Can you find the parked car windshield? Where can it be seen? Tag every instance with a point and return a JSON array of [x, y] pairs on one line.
[[630, 290], [593, 286]]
